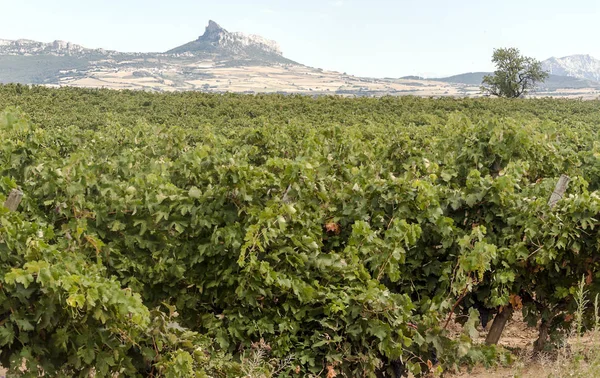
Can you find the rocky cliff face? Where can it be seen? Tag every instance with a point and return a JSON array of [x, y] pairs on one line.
[[579, 66], [27, 47], [217, 40]]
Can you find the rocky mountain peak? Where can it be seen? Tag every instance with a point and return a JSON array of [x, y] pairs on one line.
[[212, 31], [582, 66], [217, 40]]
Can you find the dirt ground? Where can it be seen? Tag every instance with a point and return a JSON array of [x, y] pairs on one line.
[[518, 336], [533, 371]]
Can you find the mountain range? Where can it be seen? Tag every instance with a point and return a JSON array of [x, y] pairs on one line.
[[222, 61], [574, 71], [553, 82], [579, 66]]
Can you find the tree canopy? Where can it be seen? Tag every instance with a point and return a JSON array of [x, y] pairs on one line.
[[515, 74]]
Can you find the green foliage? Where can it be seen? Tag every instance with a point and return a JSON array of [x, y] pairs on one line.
[[515, 74], [227, 235]]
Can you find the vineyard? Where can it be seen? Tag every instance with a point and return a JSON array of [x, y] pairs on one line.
[[199, 235]]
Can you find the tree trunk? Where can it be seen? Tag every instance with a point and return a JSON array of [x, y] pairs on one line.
[[498, 325], [540, 343]]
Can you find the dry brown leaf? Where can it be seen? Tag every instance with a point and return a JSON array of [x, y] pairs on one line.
[[429, 365], [331, 372], [516, 302], [333, 228]]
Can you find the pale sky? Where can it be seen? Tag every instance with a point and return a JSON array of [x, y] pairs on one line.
[[378, 38]]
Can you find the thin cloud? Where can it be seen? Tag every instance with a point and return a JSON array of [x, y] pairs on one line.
[[338, 3], [268, 11]]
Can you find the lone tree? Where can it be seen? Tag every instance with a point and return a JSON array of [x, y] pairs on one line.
[[515, 74]]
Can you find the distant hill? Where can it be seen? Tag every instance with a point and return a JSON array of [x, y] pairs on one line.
[[412, 77], [32, 62], [575, 71], [552, 83], [469, 78]]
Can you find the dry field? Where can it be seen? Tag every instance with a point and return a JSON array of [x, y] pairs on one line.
[[209, 76], [256, 79]]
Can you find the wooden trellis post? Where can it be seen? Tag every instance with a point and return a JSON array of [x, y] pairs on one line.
[[559, 191], [502, 317], [13, 200]]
